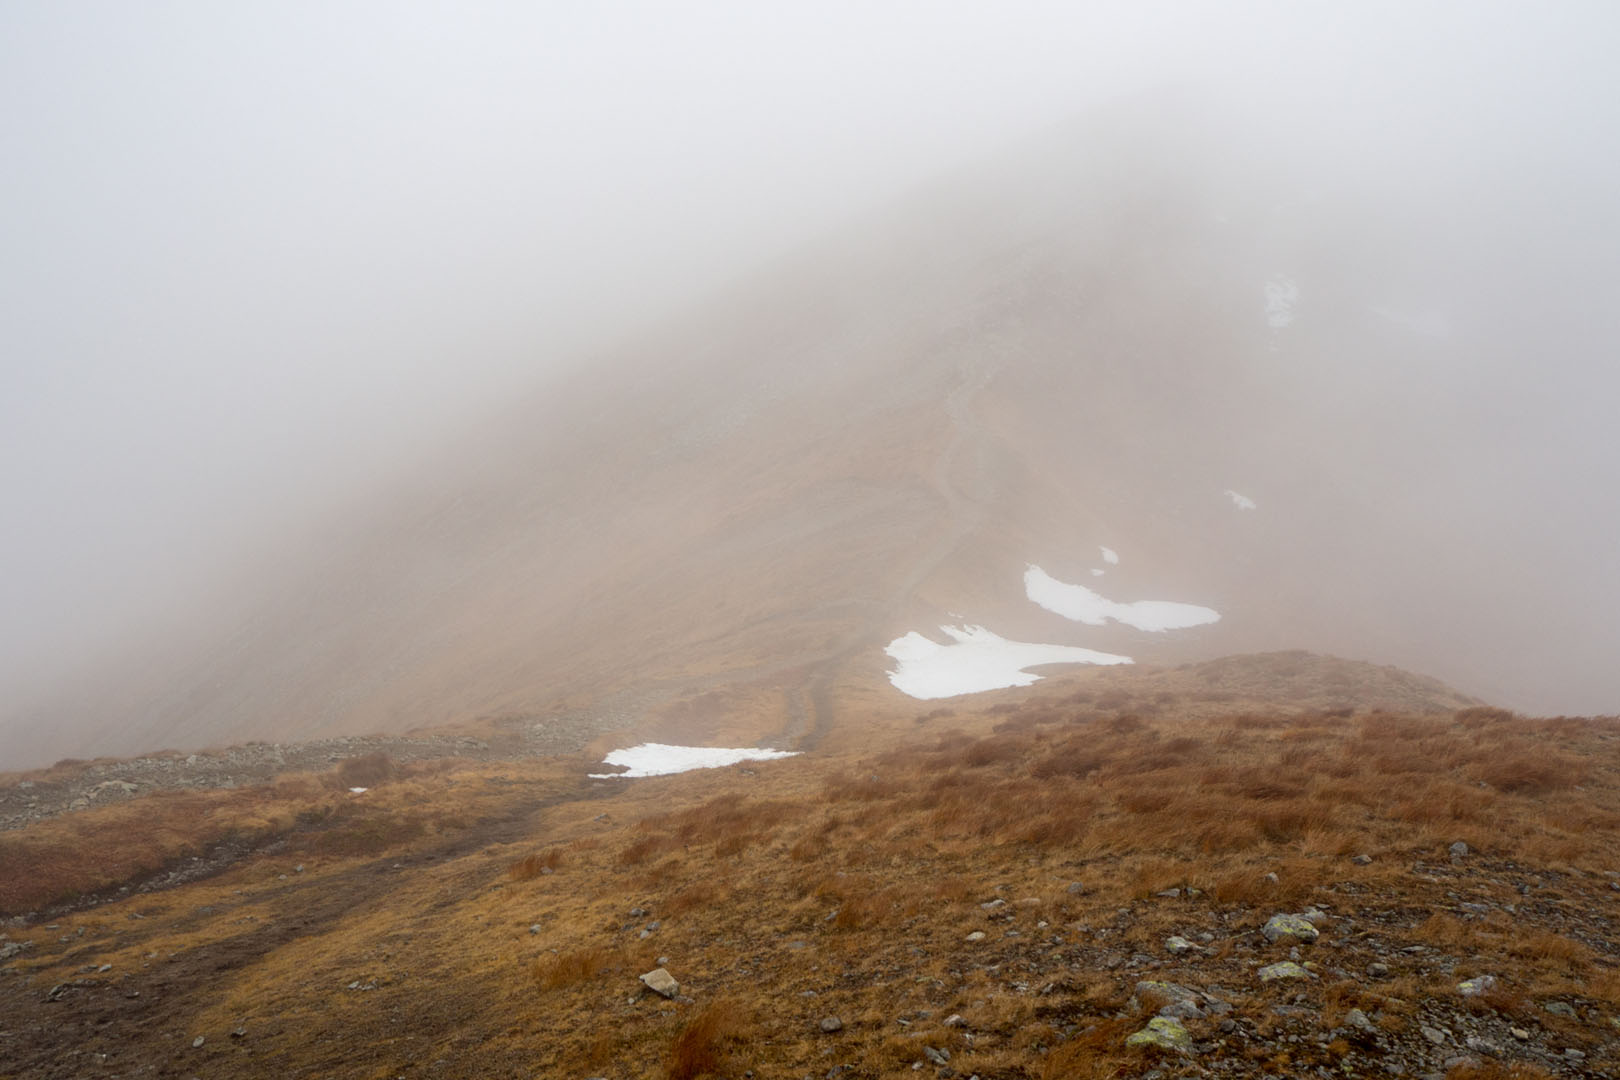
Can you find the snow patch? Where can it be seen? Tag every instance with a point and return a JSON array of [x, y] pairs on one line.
[[1097, 573], [1082, 605], [1242, 502], [1281, 296], [1110, 556], [661, 759], [357, 791], [975, 660]]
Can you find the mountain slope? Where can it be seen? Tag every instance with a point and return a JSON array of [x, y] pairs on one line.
[[1122, 337]]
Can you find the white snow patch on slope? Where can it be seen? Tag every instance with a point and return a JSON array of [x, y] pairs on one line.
[[1242, 502], [1281, 295], [661, 759], [976, 659], [1082, 605], [1110, 556], [1097, 573]]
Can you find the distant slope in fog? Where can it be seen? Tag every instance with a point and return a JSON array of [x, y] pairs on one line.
[[1091, 343]]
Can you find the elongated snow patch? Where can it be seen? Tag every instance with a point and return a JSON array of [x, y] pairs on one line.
[[1239, 500], [1083, 605], [661, 759], [1110, 556], [976, 660]]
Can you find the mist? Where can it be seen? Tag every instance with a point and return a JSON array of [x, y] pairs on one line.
[[259, 265]]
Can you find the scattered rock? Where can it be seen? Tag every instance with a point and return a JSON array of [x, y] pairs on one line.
[[1169, 991], [1295, 926], [1178, 946], [1560, 1008], [1075, 888], [1162, 1033], [1459, 849], [1377, 970], [831, 1024], [1361, 860], [937, 1056], [661, 982], [1434, 1035], [1358, 1020], [1519, 1033], [1476, 986], [977, 935], [196, 1044], [534, 928], [993, 905], [1168, 894], [1481, 1046], [1285, 970], [955, 1021]]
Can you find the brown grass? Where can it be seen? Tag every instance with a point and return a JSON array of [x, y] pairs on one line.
[[535, 864], [555, 971], [707, 1042]]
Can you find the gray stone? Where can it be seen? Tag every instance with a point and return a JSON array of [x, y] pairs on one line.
[[1169, 991], [831, 1024], [1358, 1020], [977, 935], [1162, 1033], [993, 905], [1480, 984], [1294, 926], [1459, 849], [1434, 1035], [1519, 1033], [1075, 888], [955, 1021], [196, 1044], [1481, 1046], [1177, 945], [1285, 970], [1362, 860], [1182, 1010], [534, 928], [937, 1056], [1377, 970], [1560, 1008], [660, 981]]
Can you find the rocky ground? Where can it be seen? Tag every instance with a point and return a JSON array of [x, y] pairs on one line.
[[28, 798]]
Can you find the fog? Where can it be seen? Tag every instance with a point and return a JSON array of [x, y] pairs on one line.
[[254, 264]]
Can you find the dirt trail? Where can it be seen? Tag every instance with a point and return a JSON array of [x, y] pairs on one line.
[[809, 703], [135, 1022]]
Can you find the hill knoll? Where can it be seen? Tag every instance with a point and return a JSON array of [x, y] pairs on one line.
[[1008, 887]]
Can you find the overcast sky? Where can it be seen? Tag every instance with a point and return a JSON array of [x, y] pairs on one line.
[[252, 256]]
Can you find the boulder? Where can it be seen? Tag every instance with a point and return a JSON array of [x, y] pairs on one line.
[[661, 982], [1162, 1033], [1285, 970], [1297, 927]]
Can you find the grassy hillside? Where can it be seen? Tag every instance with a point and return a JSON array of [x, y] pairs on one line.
[[992, 891]]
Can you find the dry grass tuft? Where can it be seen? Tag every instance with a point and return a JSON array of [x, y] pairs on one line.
[[554, 971], [534, 864], [708, 1041]]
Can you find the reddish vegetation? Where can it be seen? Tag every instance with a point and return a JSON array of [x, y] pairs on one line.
[[854, 885]]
